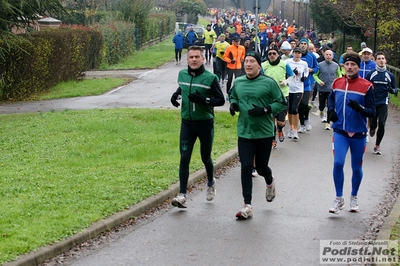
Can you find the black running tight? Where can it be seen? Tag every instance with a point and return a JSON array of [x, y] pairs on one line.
[[190, 131]]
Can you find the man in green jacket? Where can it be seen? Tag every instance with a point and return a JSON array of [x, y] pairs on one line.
[[257, 97], [199, 91]]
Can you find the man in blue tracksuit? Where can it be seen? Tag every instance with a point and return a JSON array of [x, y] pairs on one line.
[[313, 67], [263, 36], [384, 83], [367, 64], [179, 40], [191, 37], [350, 103]]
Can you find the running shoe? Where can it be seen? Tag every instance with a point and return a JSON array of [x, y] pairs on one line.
[[327, 126], [307, 123], [274, 143], [321, 114], [211, 191], [254, 173], [245, 212], [353, 204], [301, 129], [295, 136], [338, 204], [270, 191], [310, 106], [290, 133], [372, 132], [324, 119], [179, 201], [281, 136], [377, 150], [314, 105]]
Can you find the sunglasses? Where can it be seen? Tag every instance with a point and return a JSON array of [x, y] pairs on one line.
[[272, 53]]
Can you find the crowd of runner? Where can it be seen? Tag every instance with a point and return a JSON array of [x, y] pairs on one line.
[[352, 89]]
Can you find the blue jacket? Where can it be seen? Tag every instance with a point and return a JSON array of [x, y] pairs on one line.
[[191, 37], [344, 90], [384, 83], [263, 38], [311, 61], [179, 40], [366, 67]]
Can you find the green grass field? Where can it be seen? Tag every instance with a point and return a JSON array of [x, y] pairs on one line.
[[62, 171]]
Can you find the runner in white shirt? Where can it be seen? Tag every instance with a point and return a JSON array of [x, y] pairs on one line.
[[296, 89]]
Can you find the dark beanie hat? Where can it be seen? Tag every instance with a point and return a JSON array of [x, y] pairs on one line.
[[273, 47], [256, 55]]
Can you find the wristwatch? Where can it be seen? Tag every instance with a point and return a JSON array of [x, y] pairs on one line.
[[207, 100]]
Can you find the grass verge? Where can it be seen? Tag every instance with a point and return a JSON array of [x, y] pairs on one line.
[[151, 57], [79, 88], [62, 171]]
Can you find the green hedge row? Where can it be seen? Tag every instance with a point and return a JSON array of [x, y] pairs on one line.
[[118, 41], [38, 61]]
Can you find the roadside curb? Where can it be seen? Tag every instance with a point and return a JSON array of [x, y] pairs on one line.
[[389, 223], [386, 229], [51, 251]]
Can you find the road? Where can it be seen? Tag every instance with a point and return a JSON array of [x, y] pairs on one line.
[[286, 231]]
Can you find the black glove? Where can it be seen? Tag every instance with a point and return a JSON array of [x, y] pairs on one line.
[[233, 108], [197, 98], [303, 79], [258, 111], [174, 99], [356, 106], [332, 116], [295, 71], [233, 61]]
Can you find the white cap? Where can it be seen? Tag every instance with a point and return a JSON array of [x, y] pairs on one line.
[[368, 50], [286, 46]]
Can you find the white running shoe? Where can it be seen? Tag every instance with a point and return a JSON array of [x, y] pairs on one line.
[[307, 123], [179, 201], [245, 212], [290, 133], [338, 204], [295, 136], [327, 126], [211, 191], [254, 173], [323, 119], [377, 150], [270, 192], [353, 204], [302, 129]]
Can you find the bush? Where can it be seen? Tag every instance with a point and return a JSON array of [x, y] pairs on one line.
[[36, 62], [118, 41], [158, 24]]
